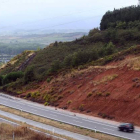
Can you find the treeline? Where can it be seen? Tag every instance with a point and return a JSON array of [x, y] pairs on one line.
[[123, 18], [119, 37]]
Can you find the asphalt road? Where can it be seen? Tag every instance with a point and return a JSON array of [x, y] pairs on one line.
[[44, 127], [53, 114], [7, 122]]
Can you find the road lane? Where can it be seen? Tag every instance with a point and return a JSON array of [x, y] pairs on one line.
[[66, 118]]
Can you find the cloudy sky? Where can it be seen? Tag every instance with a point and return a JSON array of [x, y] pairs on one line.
[[56, 14]]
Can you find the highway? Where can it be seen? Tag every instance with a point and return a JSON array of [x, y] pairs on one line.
[[60, 116], [44, 127]]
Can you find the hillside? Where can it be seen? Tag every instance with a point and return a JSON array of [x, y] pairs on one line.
[[102, 91], [97, 74]]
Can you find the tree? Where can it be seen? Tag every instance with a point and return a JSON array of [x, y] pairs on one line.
[[110, 48], [29, 75]]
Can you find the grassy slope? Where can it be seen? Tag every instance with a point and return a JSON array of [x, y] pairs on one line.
[[15, 63]]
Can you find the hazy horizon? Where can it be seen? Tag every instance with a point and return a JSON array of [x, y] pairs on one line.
[[55, 15]]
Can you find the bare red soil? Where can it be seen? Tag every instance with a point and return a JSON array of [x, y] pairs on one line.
[[111, 92]]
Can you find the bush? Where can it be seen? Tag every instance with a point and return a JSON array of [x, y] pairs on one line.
[[68, 61], [110, 48], [69, 102], [81, 107], [1, 80], [60, 97], [29, 75], [48, 80], [28, 95], [11, 77], [107, 94], [89, 94], [48, 98], [55, 66], [35, 94], [99, 93], [46, 103]]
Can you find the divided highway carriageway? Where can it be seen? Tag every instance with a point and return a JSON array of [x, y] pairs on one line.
[[68, 118]]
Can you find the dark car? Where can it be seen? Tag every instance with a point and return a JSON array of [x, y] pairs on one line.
[[128, 127]]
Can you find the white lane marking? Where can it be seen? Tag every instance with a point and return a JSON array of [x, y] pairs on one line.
[[108, 129], [100, 131], [99, 123], [77, 121], [32, 106], [53, 115], [117, 135], [34, 109], [9, 121], [136, 132]]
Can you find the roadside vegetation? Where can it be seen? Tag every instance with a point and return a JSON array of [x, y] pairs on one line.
[[20, 133]]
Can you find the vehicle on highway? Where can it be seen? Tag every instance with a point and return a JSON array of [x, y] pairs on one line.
[[128, 127]]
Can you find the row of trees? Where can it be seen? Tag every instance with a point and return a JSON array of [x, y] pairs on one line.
[[117, 36], [127, 17]]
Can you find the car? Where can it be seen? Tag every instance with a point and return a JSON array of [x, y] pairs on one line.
[[128, 127]]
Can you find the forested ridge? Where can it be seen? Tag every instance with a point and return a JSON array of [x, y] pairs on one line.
[[124, 18]]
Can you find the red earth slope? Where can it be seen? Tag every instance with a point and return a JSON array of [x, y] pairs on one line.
[[111, 91]]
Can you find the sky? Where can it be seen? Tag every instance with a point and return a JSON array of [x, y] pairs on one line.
[[56, 14]]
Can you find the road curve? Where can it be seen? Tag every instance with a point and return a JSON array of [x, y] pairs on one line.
[[43, 111]]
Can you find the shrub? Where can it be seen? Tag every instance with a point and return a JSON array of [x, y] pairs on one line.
[[35, 94], [19, 92], [60, 97], [81, 107], [28, 95], [110, 48], [55, 66], [1, 79], [69, 102], [99, 93], [93, 31], [67, 61], [48, 98], [48, 80], [89, 94], [29, 75], [11, 77], [107, 94], [79, 86], [46, 103]]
